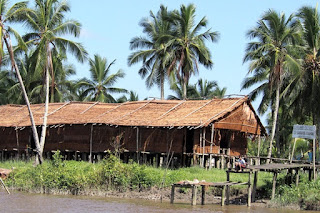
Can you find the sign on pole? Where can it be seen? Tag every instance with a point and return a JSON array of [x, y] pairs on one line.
[[304, 131], [308, 132]]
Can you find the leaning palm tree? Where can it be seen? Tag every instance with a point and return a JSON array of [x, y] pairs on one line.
[[47, 24], [188, 45], [12, 14], [100, 86], [204, 89], [275, 37], [152, 51]]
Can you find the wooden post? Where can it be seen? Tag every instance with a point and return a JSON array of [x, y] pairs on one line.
[[18, 147], [228, 187], [172, 193], [297, 177], [194, 195], [137, 144], [274, 182], [203, 194], [4, 186], [222, 162], [314, 159], [294, 145], [211, 144], [90, 155], [249, 189], [203, 145], [255, 180], [259, 145], [223, 195], [200, 145]]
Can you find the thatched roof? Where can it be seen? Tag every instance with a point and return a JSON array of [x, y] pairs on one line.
[[229, 113]]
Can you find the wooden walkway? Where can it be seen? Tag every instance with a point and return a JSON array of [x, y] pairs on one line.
[[276, 168], [204, 185]]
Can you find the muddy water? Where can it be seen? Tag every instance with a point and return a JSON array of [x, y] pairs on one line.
[[35, 203]]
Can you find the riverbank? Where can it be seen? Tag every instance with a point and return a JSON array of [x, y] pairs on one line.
[[111, 178]]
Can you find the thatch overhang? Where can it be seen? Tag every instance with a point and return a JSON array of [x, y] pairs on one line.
[[228, 113]]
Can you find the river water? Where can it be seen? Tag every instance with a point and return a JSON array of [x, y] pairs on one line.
[[35, 203]]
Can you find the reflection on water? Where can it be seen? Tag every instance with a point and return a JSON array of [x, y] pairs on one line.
[[34, 203]]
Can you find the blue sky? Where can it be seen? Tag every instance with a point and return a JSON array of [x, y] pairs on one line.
[[108, 27]]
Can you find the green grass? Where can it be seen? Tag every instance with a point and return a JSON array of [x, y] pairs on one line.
[[111, 174]]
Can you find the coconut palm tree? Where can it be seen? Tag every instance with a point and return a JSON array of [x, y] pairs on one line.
[[15, 14], [133, 96], [100, 86], [188, 45], [177, 88], [152, 51], [271, 51], [307, 88], [48, 24]]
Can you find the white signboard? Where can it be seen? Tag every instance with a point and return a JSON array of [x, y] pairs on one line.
[[304, 131]]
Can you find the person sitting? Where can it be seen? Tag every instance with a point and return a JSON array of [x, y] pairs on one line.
[[241, 163]]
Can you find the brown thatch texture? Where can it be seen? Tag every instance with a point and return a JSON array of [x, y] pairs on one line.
[[229, 113]]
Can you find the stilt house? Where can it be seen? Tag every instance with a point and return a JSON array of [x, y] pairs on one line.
[[187, 131]]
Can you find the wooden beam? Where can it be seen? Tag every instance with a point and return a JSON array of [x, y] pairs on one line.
[[203, 145]]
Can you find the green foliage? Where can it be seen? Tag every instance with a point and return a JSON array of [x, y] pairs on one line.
[[305, 194]]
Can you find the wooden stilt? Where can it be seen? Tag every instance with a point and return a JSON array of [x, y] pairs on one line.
[[203, 145], [255, 180], [228, 188], [172, 194], [194, 195], [203, 195], [223, 195], [91, 136], [297, 177], [249, 190], [137, 145], [211, 144], [274, 182]]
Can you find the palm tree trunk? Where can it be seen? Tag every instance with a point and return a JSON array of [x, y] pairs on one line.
[[45, 116], [7, 40], [184, 83], [274, 122], [162, 85]]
